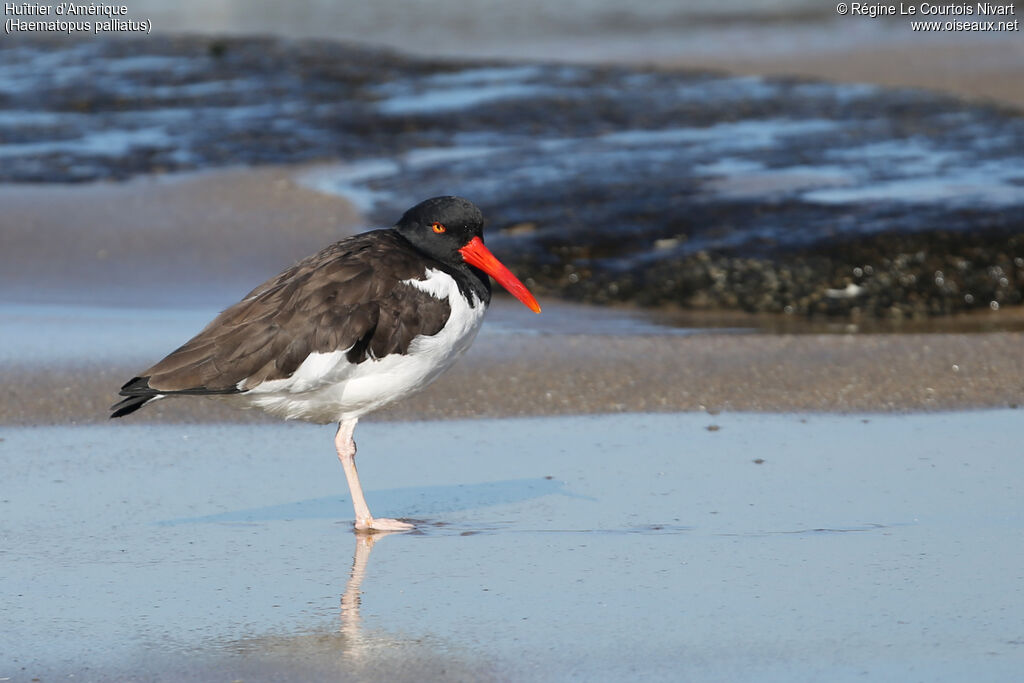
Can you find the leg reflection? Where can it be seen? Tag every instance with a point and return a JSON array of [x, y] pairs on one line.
[[357, 642]]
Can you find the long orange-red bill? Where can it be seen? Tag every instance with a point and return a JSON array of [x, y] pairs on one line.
[[476, 254]]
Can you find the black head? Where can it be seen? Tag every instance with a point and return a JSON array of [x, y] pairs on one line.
[[440, 226], [450, 229]]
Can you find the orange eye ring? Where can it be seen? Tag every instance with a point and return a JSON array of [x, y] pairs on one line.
[[438, 228]]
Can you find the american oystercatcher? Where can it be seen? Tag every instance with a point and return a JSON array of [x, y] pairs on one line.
[[367, 321]]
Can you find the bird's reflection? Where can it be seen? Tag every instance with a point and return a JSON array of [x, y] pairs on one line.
[[350, 651]]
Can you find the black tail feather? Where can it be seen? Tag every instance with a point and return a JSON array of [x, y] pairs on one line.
[[129, 405], [137, 386], [138, 393]]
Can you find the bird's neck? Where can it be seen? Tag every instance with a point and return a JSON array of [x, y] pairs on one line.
[[471, 281]]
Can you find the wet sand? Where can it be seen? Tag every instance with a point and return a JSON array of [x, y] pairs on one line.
[[640, 547], [520, 375], [145, 241]]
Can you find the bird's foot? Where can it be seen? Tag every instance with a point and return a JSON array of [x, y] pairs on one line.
[[376, 524]]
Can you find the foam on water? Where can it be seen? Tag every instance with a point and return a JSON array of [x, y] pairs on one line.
[[751, 134], [109, 143], [992, 183], [354, 180], [450, 99]]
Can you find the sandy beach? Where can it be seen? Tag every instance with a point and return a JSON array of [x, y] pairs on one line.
[[140, 242], [521, 375]]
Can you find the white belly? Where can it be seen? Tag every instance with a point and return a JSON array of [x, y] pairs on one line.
[[328, 388]]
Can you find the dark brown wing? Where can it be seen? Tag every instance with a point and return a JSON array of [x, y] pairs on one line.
[[348, 296]]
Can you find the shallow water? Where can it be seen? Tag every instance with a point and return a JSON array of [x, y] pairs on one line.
[[600, 548]]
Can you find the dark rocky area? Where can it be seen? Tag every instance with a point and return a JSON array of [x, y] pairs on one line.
[[603, 183], [890, 275]]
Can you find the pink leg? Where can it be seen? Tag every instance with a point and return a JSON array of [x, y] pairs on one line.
[[346, 447]]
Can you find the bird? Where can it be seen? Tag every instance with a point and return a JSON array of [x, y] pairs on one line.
[[368, 320]]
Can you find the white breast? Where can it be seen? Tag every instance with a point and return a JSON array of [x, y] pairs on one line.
[[328, 388]]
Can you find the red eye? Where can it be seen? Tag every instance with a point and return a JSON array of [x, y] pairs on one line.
[[438, 228]]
